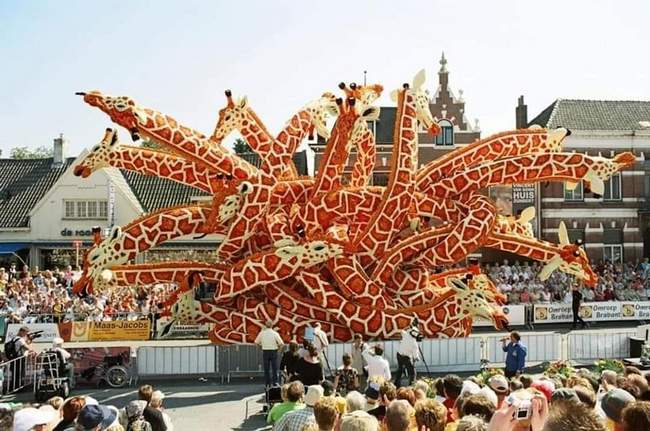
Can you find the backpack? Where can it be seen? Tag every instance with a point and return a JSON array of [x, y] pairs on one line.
[[10, 348]]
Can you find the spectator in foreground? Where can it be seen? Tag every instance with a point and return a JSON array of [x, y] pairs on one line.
[[387, 393], [515, 355], [636, 416], [398, 416], [359, 421], [297, 419], [354, 401], [452, 386], [95, 417], [279, 409], [499, 384], [135, 416], [570, 415], [326, 414], [471, 423], [151, 415], [613, 403], [30, 418], [430, 414], [71, 408], [157, 398]]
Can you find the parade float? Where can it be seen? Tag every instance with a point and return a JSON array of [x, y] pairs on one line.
[[333, 248]]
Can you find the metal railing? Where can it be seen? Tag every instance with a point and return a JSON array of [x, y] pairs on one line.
[[17, 374]]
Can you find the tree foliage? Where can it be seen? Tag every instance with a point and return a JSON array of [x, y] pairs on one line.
[[41, 152], [241, 146]]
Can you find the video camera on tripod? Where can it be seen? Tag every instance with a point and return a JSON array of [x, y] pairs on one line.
[[35, 334], [415, 330]]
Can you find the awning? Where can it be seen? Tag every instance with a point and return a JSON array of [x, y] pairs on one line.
[[12, 247]]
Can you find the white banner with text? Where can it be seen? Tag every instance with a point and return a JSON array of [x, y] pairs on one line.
[[592, 311]]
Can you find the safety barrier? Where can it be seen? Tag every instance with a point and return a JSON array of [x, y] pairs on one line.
[[595, 345], [17, 374], [177, 361]]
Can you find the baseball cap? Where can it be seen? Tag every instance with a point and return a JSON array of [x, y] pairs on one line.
[[544, 386], [565, 394], [28, 418], [372, 391], [314, 393], [499, 384], [92, 416], [614, 402]]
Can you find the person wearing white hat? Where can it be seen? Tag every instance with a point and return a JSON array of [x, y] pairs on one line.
[[29, 418], [156, 402], [298, 419]]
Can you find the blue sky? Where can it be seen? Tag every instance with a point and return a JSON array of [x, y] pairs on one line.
[[179, 56]]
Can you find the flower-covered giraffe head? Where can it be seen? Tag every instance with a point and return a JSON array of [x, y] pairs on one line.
[[601, 170], [232, 117], [520, 226], [320, 110], [475, 302], [232, 203], [572, 259], [99, 156], [121, 109], [309, 253], [417, 96], [98, 261]]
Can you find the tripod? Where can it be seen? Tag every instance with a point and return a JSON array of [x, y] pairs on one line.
[[426, 367]]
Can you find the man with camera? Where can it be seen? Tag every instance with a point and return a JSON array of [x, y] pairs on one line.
[[408, 352], [17, 349]]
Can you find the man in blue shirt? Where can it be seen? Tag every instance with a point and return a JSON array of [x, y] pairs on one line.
[[515, 355]]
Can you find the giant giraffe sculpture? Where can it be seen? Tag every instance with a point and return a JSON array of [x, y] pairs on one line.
[[355, 257]]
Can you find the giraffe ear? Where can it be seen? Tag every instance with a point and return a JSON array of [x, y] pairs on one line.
[[115, 233], [562, 234], [371, 114], [393, 96], [457, 284], [242, 102], [418, 79], [527, 215], [551, 266]]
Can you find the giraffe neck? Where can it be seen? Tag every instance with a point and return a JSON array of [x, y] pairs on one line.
[[163, 165], [529, 247], [397, 197], [194, 145]]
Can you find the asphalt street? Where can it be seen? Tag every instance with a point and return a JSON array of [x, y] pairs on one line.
[[193, 405]]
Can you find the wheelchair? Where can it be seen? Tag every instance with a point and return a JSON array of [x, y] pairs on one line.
[[50, 376]]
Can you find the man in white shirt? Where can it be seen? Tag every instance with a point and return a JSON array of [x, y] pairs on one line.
[[377, 366], [320, 338], [407, 353], [64, 357], [270, 342]]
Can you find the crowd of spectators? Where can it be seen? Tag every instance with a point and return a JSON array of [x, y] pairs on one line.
[[583, 401], [628, 281], [84, 413], [32, 295], [35, 296]]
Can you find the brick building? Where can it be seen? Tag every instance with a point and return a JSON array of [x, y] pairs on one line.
[[447, 109], [616, 226]]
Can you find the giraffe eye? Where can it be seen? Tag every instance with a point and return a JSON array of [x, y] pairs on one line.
[[319, 247]]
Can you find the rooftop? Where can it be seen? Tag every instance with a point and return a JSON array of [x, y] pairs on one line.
[[576, 114], [23, 182]]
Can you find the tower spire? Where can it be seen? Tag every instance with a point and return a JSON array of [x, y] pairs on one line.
[[443, 63]]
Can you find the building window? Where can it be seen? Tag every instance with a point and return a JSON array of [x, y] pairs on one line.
[[446, 135], [90, 209], [576, 194], [69, 209], [103, 209], [613, 253], [613, 188]]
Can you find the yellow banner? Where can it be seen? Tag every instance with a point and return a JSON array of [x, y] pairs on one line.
[[119, 330]]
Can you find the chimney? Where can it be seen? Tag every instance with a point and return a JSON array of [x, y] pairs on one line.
[[521, 114], [58, 153]]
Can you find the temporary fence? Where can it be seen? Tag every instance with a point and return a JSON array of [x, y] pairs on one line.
[[440, 355]]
